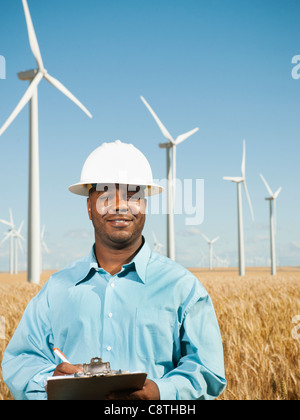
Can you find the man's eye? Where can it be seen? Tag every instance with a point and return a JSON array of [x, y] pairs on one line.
[[103, 199]]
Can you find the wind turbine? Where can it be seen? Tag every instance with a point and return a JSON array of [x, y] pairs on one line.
[[157, 245], [210, 243], [241, 180], [31, 95], [170, 147], [18, 238], [43, 245], [272, 201], [9, 235]]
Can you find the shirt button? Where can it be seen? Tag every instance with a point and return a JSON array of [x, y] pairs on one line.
[[112, 285], [108, 348], [110, 314]]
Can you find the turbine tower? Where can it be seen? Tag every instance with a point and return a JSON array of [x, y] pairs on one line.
[[10, 236], [210, 243], [241, 180], [170, 147], [272, 201], [31, 95]]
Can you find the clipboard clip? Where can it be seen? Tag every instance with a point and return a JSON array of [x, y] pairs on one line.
[[98, 368]]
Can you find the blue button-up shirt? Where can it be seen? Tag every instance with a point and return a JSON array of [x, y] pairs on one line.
[[153, 316]]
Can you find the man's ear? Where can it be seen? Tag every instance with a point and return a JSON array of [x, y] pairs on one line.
[[89, 208]]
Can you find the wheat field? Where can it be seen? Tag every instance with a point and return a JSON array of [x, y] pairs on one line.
[[255, 313]]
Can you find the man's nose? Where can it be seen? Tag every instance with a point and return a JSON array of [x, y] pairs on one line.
[[121, 201]]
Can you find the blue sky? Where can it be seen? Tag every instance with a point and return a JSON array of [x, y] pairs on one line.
[[224, 66]]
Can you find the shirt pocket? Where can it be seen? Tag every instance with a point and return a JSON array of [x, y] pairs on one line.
[[154, 334]]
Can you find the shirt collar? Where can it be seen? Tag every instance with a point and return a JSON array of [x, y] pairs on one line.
[[139, 262]]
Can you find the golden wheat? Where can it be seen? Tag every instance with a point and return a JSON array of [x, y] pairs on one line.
[[262, 359]]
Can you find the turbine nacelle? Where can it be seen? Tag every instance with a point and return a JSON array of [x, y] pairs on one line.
[[165, 132], [242, 179], [273, 196], [210, 241], [28, 75]]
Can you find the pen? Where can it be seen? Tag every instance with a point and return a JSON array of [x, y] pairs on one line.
[[61, 355]]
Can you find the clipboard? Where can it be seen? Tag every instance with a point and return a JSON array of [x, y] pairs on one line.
[[87, 388]]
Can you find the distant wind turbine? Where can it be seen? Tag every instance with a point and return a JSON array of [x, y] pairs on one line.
[[35, 77], [157, 245], [9, 235], [18, 238], [210, 243], [170, 147], [273, 223], [241, 180]]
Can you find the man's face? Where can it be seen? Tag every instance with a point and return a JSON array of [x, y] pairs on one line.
[[118, 213]]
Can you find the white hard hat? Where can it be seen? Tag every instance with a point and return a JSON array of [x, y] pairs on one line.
[[116, 163]]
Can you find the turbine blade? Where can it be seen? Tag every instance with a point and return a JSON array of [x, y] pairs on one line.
[[43, 232], [25, 99], [249, 200], [233, 178], [8, 235], [20, 246], [185, 136], [154, 237], [267, 186], [215, 240], [11, 218], [32, 37], [20, 228], [205, 237], [45, 247], [66, 92], [277, 193], [6, 223], [163, 129]]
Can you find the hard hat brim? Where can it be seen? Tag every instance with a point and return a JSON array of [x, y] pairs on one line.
[[83, 189]]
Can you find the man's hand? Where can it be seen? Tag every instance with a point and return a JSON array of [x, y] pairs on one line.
[[67, 369], [149, 391]]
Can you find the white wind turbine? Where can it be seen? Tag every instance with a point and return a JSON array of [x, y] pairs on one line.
[[43, 246], [9, 235], [241, 180], [18, 238], [35, 77], [210, 243], [157, 245], [170, 147], [272, 200]]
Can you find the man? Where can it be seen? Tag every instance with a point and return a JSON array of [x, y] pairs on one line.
[[124, 303]]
